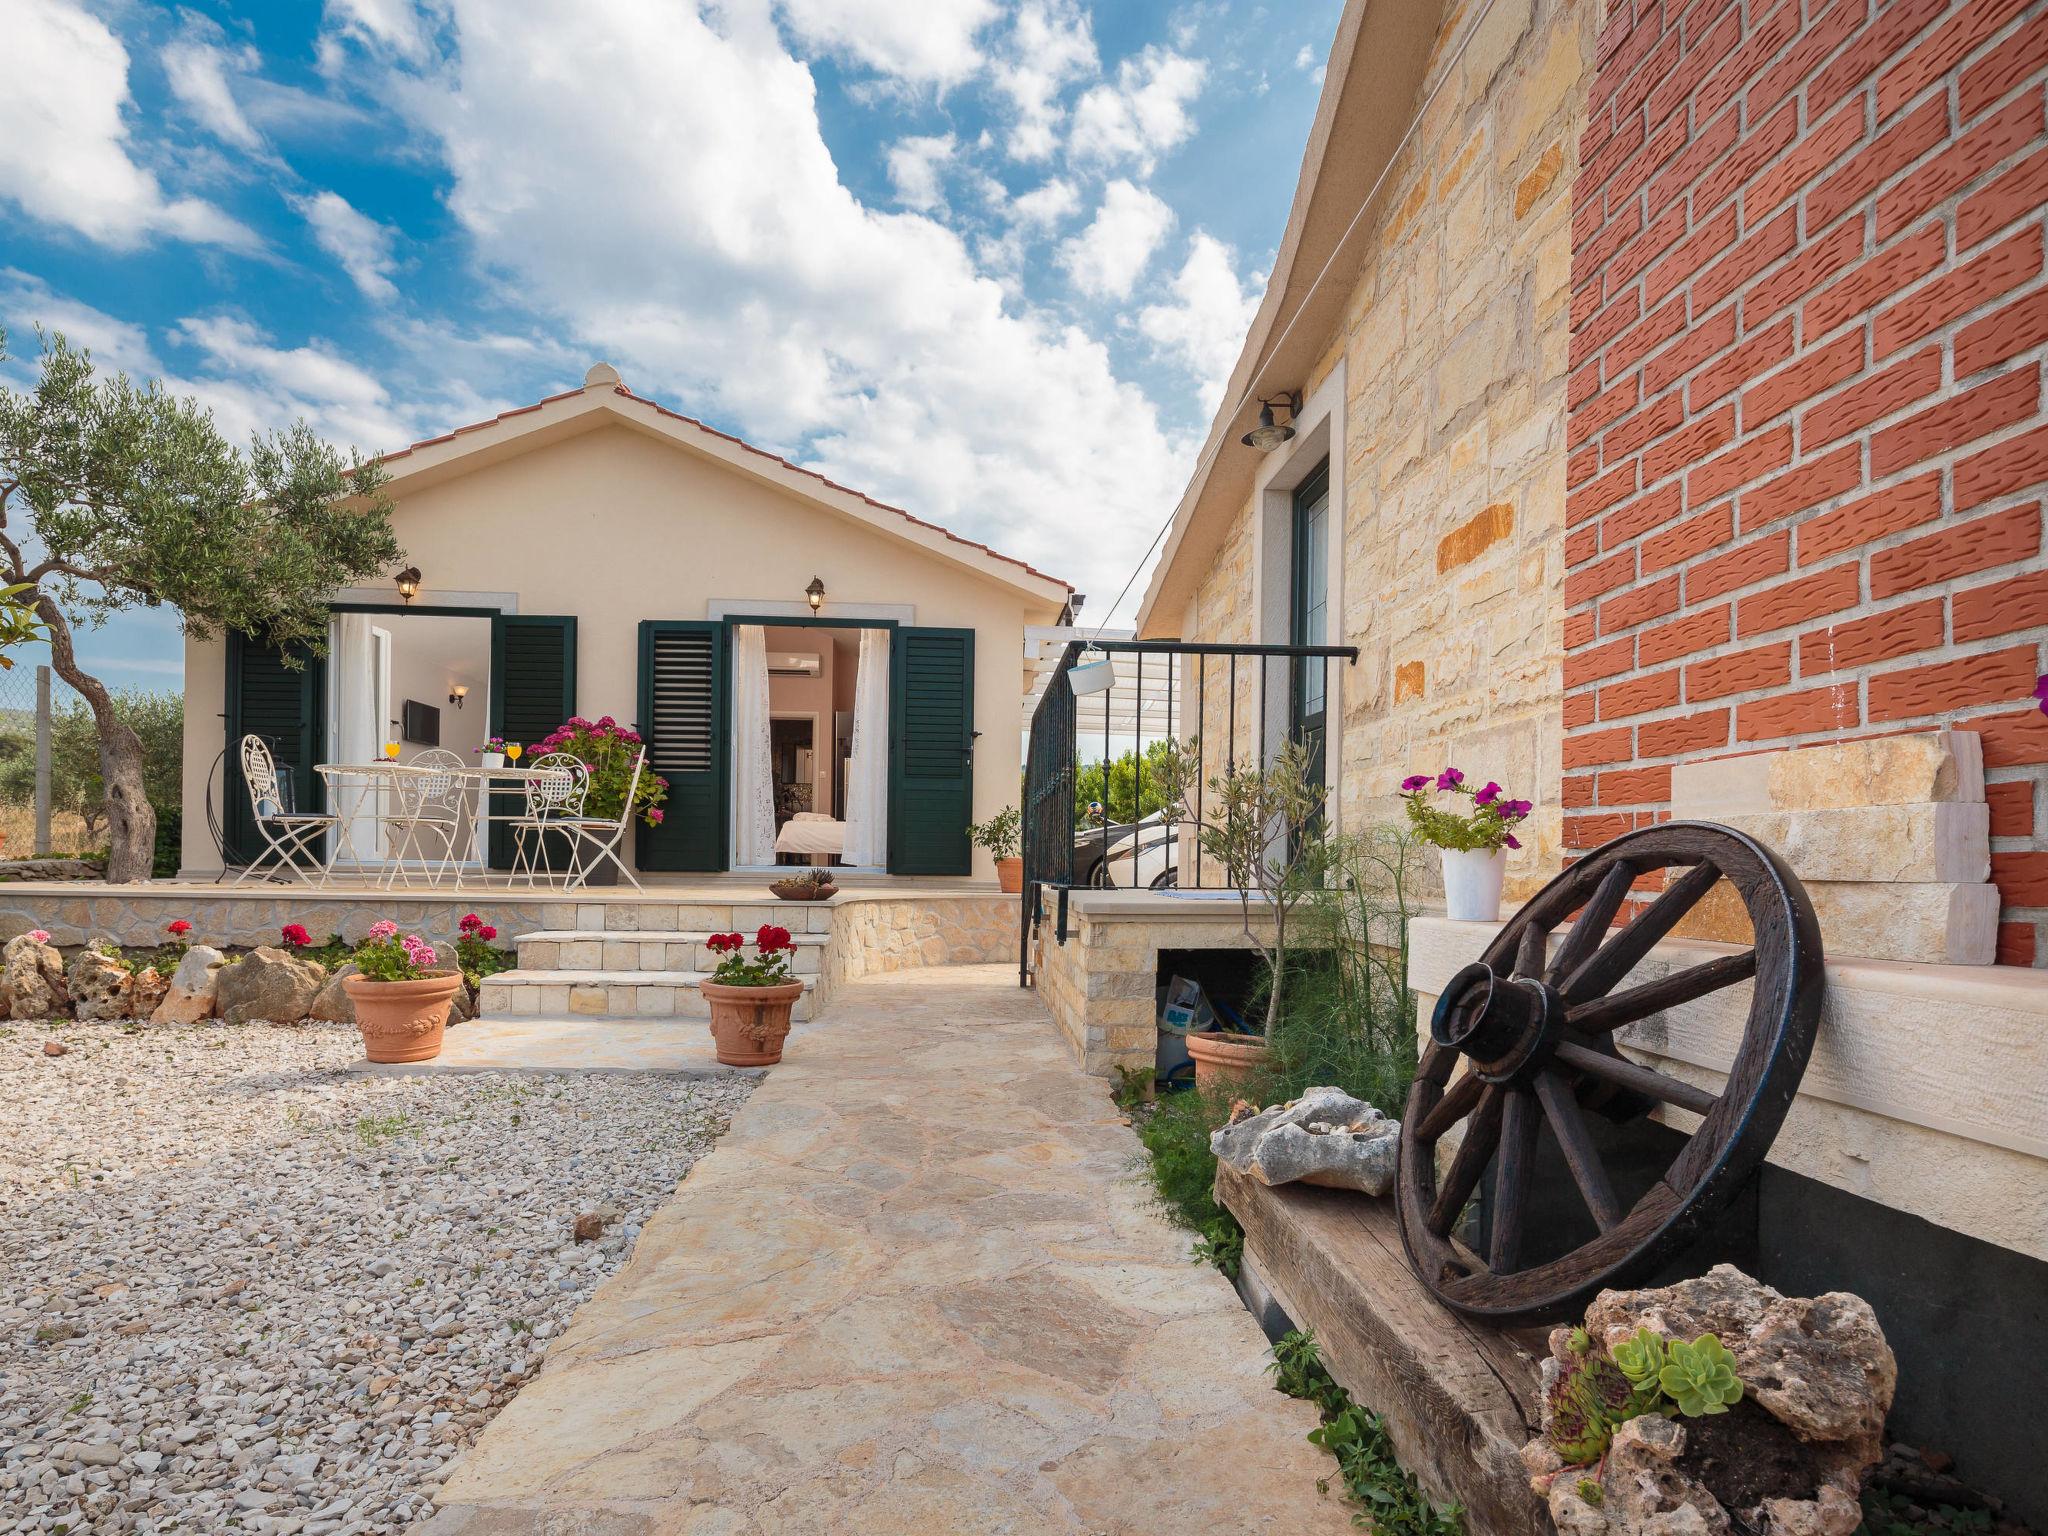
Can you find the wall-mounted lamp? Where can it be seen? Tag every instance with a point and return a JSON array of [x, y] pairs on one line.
[[815, 593], [1266, 436], [408, 582], [458, 693]]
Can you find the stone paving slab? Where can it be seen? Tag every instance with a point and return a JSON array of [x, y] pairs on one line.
[[915, 1289]]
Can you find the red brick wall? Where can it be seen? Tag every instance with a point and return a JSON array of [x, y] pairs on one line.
[[1806, 436]]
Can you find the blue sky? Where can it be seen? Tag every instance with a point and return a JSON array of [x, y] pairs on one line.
[[988, 259]]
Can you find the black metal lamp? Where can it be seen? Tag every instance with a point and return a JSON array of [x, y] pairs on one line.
[[815, 593], [458, 693], [408, 582], [1267, 435]]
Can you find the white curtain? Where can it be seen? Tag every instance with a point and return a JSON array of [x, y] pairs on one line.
[[356, 733], [867, 772], [753, 776]]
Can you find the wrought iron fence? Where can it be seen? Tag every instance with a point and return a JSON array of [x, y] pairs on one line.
[[1240, 702]]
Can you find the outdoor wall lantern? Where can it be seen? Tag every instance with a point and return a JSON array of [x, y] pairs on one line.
[[1266, 436], [815, 593], [458, 693], [409, 582]]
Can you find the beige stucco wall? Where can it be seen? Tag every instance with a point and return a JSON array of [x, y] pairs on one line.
[[1453, 354], [615, 525]]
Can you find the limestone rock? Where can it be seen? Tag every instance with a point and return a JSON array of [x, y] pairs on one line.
[[268, 984], [462, 1007], [148, 994], [100, 986], [191, 994], [334, 1004], [32, 980], [56, 1048], [1324, 1137]]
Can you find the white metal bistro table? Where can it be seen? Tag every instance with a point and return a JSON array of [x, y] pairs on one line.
[[352, 786]]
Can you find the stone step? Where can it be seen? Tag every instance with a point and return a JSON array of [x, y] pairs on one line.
[[617, 918], [627, 994], [645, 949]]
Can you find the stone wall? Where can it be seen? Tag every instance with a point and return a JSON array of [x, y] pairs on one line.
[[1807, 438], [876, 933], [1454, 353]]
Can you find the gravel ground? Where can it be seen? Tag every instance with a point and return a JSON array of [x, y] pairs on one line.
[[243, 1289]]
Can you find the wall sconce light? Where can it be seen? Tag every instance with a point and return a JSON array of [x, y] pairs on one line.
[[1266, 436], [459, 692], [408, 582], [815, 593]]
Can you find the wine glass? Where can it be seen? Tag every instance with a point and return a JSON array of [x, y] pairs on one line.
[[513, 751], [391, 750]]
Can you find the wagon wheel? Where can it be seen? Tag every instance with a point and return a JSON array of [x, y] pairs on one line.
[[1534, 1030]]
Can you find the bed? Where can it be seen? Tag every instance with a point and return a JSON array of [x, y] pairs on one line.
[[812, 834]]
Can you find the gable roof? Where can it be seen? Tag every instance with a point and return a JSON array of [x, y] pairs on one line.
[[604, 394], [1378, 61]]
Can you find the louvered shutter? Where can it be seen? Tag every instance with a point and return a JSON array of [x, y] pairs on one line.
[[533, 690], [931, 759], [286, 704], [683, 715]]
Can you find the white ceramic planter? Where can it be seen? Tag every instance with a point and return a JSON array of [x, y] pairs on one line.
[[1472, 881], [491, 759]]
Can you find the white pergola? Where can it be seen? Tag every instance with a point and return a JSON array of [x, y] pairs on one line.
[[1144, 697]]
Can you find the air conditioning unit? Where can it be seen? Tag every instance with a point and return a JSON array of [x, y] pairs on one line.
[[792, 664]]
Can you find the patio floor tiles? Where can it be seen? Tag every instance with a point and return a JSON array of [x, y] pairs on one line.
[[913, 1289]]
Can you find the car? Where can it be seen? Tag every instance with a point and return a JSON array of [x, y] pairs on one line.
[[1104, 853]]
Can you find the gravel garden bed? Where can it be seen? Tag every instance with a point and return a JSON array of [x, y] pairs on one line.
[[244, 1288]]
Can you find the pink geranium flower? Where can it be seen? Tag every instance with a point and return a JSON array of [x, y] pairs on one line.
[[383, 928]]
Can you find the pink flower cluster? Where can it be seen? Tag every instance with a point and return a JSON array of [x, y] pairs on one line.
[[382, 929], [1489, 797], [559, 739], [417, 950]]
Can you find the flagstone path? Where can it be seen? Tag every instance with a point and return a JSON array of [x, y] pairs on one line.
[[914, 1289]]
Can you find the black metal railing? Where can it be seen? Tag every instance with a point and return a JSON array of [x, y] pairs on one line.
[[1061, 852]]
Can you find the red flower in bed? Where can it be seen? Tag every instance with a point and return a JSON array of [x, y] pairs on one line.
[[723, 943], [178, 928], [295, 935], [770, 940]]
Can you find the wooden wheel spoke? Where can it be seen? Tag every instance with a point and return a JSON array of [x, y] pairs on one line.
[[1638, 1079], [1530, 951], [1511, 1170], [1618, 956], [1458, 1102], [1603, 1015], [1580, 1155], [1594, 919], [1470, 1160]]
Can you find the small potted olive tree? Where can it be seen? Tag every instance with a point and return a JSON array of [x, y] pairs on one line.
[[401, 993], [751, 998], [1000, 836]]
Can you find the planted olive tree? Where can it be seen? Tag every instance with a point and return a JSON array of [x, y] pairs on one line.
[[117, 496]]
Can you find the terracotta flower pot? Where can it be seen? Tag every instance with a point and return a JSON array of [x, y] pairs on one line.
[[402, 1020], [750, 1023], [1221, 1058], [1010, 874]]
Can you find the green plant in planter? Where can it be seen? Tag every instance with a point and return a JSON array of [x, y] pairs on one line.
[[1001, 834], [1588, 1403], [388, 955], [1699, 1377], [607, 749]]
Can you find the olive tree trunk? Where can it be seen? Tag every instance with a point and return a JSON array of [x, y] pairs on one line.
[[131, 819]]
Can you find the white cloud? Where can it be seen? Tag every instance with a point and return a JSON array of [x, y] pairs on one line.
[[1306, 59], [1105, 259], [198, 70], [392, 26], [1142, 114], [27, 302], [1049, 204], [1050, 47], [746, 280], [357, 241], [1203, 327], [914, 165], [932, 42], [64, 145]]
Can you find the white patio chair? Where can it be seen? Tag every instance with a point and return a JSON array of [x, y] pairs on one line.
[[604, 835], [287, 832], [431, 798], [554, 792]]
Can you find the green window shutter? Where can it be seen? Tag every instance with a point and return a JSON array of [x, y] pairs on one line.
[[931, 751], [283, 699], [533, 690], [683, 713]]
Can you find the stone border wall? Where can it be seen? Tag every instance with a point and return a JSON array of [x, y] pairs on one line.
[[877, 932]]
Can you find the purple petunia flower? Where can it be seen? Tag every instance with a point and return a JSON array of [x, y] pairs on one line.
[[1488, 795], [2041, 693], [1509, 839], [1450, 778], [1413, 782], [1516, 808]]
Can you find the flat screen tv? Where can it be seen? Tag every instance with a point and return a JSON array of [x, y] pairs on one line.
[[420, 723]]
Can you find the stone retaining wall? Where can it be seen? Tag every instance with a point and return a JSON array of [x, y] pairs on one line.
[[882, 931]]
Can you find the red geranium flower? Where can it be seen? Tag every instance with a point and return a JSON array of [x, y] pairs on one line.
[[470, 922], [179, 926], [723, 943], [771, 939], [295, 935], [487, 933]]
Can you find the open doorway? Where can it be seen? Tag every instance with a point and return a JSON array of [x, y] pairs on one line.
[[810, 746]]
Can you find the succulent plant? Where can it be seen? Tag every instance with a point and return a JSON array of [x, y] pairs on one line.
[[1700, 1377], [1580, 1342], [1588, 1402], [1592, 1492], [1641, 1357]]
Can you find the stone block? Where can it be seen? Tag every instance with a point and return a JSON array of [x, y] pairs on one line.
[[586, 1000], [1885, 770], [657, 916], [1928, 923], [621, 954], [1943, 841], [582, 955], [541, 954], [621, 917]]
